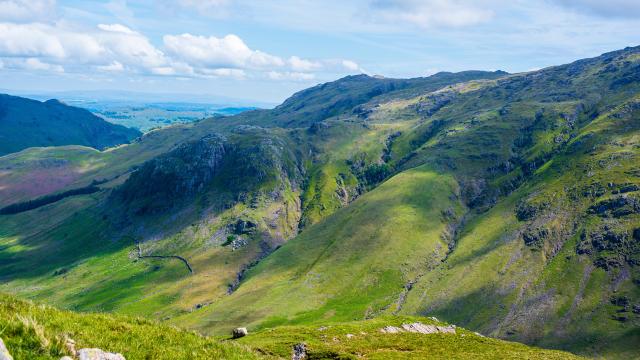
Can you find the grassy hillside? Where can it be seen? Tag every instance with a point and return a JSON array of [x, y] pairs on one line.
[[28, 123], [507, 204], [32, 331], [36, 332]]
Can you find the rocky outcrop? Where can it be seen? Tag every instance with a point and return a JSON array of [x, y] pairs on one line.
[[4, 352], [616, 207], [159, 183], [419, 328]]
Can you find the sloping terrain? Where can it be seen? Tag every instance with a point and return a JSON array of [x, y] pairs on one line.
[[507, 204], [32, 331], [39, 332], [28, 123]]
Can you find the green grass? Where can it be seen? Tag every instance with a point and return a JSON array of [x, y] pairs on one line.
[[38, 332], [363, 339]]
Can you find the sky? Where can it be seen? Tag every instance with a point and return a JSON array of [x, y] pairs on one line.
[[264, 51]]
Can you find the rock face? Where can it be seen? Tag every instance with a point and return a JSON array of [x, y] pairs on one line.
[[4, 353], [97, 354], [419, 328], [180, 173], [239, 332]]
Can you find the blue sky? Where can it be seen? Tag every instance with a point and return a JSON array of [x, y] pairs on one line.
[[266, 50]]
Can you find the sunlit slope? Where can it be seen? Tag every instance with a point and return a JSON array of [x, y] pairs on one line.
[[39, 332], [566, 271], [353, 264]]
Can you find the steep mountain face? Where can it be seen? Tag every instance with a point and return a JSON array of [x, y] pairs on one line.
[[504, 203], [29, 123]]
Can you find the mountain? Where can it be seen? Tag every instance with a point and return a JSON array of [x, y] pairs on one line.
[[504, 203], [28, 123]]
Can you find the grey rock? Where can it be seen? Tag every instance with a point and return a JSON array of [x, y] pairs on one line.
[[98, 354], [299, 352], [419, 328], [239, 332], [4, 352]]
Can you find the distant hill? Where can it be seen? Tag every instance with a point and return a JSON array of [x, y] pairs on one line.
[[29, 123]]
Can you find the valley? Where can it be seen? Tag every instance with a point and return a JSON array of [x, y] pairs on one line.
[[507, 204]]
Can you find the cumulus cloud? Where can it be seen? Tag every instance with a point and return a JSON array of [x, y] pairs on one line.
[[430, 13], [229, 51], [300, 65], [117, 48]]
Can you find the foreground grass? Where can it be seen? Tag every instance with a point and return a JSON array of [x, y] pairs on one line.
[[363, 339], [37, 332]]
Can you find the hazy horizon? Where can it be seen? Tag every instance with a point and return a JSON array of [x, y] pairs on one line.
[[266, 51]]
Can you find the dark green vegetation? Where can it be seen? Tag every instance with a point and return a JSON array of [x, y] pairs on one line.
[[28, 123], [508, 204], [37, 332], [46, 200]]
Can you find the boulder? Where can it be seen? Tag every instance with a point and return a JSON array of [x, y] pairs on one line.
[[239, 332], [98, 354], [4, 353], [419, 328], [299, 352]]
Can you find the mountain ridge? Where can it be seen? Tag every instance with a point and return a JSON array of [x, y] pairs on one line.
[[506, 203]]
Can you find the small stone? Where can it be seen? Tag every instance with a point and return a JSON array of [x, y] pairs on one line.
[[349, 336], [239, 332], [70, 345], [299, 352], [98, 354], [4, 352]]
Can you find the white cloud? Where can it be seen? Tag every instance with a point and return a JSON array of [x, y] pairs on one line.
[[224, 72], [29, 40], [290, 75], [35, 64], [118, 48], [350, 65], [117, 28], [302, 65], [227, 52], [32, 64], [26, 10], [115, 66]]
